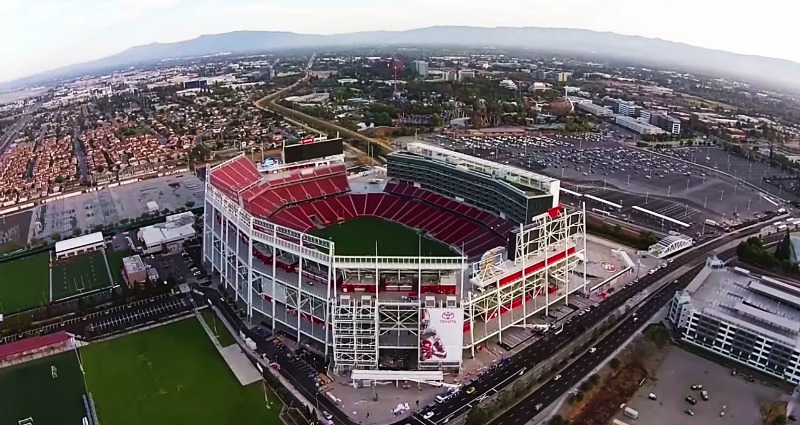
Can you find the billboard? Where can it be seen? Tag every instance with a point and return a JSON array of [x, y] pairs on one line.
[[442, 337], [268, 164], [310, 148]]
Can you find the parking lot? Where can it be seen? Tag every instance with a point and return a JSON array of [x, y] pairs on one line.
[[672, 384], [684, 184], [138, 313]]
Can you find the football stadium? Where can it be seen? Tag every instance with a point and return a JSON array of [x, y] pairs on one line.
[[430, 256]]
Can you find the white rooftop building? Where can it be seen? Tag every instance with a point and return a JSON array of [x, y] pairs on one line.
[[633, 124], [169, 235], [79, 245], [753, 320]]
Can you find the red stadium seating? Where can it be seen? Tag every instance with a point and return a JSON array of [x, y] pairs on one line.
[[308, 198], [234, 176], [442, 224]]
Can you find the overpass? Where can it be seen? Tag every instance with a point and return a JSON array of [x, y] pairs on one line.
[[270, 103]]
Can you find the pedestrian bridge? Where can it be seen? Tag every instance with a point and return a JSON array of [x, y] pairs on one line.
[[668, 246]]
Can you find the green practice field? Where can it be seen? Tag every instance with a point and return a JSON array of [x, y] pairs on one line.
[[25, 283], [222, 334], [358, 237], [79, 275], [30, 391], [170, 375]]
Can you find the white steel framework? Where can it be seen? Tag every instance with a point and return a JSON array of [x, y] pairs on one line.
[[362, 311], [668, 246]]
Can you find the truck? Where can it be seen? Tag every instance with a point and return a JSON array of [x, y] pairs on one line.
[[710, 222], [631, 413]]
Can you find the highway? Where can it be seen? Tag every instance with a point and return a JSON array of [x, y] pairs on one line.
[[504, 373]]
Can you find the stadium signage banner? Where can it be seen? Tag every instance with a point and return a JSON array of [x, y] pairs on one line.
[[308, 140], [442, 337]]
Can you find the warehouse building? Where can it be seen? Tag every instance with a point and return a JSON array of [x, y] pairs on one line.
[[79, 245], [167, 236], [752, 320], [596, 110], [638, 126]]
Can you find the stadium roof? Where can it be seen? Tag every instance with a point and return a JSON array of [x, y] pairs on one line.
[[80, 241]]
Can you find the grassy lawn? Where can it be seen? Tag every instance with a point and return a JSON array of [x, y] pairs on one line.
[[171, 375], [222, 333], [115, 263], [358, 237], [79, 274], [30, 391], [25, 283]]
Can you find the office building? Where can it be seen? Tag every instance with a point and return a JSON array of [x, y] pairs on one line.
[[624, 107], [422, 68], [667, 123], [749, 319], [633, 124], [561, 77], [541, 74], [465, 74], [661, 120], [596, 110]]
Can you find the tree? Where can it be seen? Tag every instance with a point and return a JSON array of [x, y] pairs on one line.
[[189, 204], [55, 236], [557, 420], [614, 363], [779, 420], [784, 248], [77, 231], [477, 416]]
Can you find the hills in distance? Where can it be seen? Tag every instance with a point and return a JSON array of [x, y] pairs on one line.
[[582, 43]]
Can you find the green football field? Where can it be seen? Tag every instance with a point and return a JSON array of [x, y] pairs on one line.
[[359, 237], [29, 390], [171, 375], [79, 275], [25, 283]]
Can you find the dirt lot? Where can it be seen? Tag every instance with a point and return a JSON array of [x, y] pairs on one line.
[[679, 371]]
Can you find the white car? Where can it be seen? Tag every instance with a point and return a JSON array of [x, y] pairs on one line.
[[427, 415], [592, 350], [557, 377]]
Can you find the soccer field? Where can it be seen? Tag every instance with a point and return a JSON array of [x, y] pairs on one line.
[[79, 275], [25, 283], [30, 391], [170, 375], [359, 236]]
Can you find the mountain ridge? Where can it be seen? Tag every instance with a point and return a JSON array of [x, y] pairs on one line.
[[609, 45]]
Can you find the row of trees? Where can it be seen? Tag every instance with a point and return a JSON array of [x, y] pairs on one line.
[[753, 251]]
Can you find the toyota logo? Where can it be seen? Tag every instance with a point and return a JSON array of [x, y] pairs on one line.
[[448, 315]]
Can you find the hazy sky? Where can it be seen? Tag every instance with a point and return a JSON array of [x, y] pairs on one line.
[[38, 35]]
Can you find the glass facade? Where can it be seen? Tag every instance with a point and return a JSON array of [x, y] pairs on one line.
[[483, 191]]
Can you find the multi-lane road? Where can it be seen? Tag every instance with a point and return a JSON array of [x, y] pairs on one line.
[[508, 370]]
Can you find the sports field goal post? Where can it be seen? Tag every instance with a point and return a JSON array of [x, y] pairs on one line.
[[54, 372], [26, 421]]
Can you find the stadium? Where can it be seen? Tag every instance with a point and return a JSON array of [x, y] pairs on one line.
[[404, 267]]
